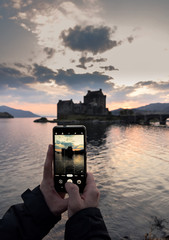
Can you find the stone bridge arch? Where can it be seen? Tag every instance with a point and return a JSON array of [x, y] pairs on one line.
[[148, 117]]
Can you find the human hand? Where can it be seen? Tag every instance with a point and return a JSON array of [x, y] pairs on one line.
[[89, 198], [55, 201]]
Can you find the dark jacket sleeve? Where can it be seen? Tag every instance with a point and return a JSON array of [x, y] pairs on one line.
[[87, 224], [31, 220]]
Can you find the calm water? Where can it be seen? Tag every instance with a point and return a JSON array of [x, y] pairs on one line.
[[130, 165]]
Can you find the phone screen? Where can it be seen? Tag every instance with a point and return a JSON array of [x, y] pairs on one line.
[[69, 156]]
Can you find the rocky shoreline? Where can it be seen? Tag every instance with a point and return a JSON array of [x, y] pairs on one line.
[[68, 122]]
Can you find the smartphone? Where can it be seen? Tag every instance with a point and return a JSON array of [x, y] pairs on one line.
[[69, 144]]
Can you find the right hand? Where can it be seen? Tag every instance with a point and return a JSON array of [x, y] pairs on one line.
[[89, 198]]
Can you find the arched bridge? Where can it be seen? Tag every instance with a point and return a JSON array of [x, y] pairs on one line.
[[145, 119]]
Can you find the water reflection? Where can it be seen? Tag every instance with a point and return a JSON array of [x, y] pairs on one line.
[[130, 165], [97, 133]]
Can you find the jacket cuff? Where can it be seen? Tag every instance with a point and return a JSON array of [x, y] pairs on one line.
[[35, 204], [86, 224]]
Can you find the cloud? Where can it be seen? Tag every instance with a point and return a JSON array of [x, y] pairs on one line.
[[47, 19], [38, 83], [49, 51], [76, 81], [142, 92], [161, 86], [84, 59], [89, 39], [16, 3], [42, 73], [20, 65], [13, 78], [110, 68], [69, 78], [20, 76], [130, 39], [100, 60]]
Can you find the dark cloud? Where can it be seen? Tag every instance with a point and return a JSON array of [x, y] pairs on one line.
[[100, 60], [12, 77], [84, 59], [153, 85], [89, 39], [81, 66], [15, 82], [70, 78], [145, 83], [130, 39], [49, 51], [20, 65], [72, 60], [110, 68], [42, 73], [76, 81], [9, 71]]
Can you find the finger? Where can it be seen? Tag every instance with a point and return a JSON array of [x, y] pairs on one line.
[[47, 173], [73, 192], [90, 184], [90, 180]]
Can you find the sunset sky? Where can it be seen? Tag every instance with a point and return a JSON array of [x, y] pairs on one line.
[[65, 141], [56, 49]]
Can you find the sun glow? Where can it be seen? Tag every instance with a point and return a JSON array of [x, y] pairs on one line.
[[51, 88], [141, 91], [126, 104]]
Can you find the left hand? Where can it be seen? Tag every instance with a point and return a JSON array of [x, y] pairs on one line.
[[55, 201]]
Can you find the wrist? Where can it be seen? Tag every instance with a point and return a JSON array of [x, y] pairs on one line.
[[37, 206]]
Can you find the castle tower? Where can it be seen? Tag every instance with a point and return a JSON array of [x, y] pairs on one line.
[[64, 108], [95, 98]]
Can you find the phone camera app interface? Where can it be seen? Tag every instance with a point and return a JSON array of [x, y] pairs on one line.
[[69, 154]]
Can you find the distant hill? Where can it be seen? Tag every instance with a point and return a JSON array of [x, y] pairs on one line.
[[160, 108], [155, 107], [17, 113]]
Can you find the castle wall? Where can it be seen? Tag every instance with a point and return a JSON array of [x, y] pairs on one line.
[[79, 108], [64, 108], [94, 104]]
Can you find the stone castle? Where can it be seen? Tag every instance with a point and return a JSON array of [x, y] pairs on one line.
[[94, 105]]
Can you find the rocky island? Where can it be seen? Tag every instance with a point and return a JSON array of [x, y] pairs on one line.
[[5, 115], [44, 120]]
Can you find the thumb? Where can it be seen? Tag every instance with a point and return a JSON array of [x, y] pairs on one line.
[[73, 192], [75, 201]]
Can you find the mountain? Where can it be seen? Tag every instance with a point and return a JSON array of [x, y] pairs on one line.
[[17, 113], [116, 111], [155, 107], [150, 108]]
